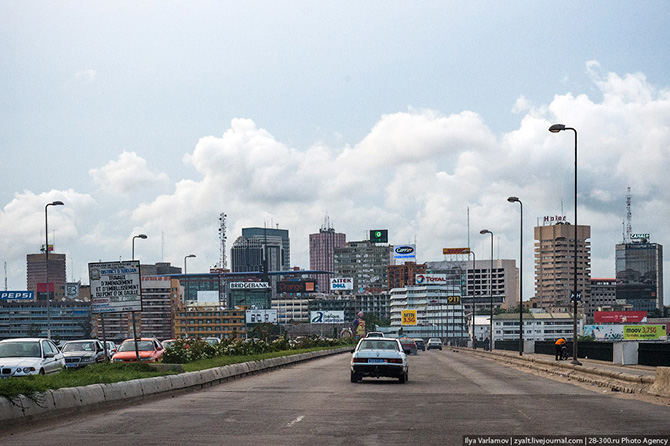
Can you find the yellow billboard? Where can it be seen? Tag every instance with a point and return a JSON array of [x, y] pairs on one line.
[[408, 317], [644, 332]]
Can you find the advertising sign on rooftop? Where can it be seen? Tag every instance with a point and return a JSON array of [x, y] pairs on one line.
[[618, 317], [248, 285], [404, 252], [261, 316], [296, 286], [341, 283], [326, 317], [17, 295], [430, 279], [115, 287]]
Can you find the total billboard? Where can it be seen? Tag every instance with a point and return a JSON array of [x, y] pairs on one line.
[[430, 279], [326, 317], [115, 287], [261, 316], [342, 283], [618, 317]]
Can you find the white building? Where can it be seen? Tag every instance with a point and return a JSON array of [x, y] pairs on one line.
[[536, 326], [437, 315], [296, 310]]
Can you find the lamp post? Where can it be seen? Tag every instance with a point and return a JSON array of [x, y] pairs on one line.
[[486, 231], [187, 257], [555, 129], [142, 236], [516, 200], [137, 351], [186, 297], [46, 262]]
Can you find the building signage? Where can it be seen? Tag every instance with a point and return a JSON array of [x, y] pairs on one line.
[[453, 251], [640, 236], [296, 286], [326, 317], [115, 287], [430, 279], [555, 219], [408, 317], [17, 295], [604, 332], [618, 317], [404, 252], [261, 316], [379, 236], [644, 332], [342, 283], [248, 285], [72, 290]]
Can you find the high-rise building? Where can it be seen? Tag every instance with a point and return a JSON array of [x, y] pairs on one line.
[[366, 263], [322, 253], [555, 265], [602, 296], [37, 275], [403, 275], [252, 243], [639, 275]]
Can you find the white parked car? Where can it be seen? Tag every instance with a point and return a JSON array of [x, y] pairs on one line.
[[377, 357], [82, 353], [29, 356]]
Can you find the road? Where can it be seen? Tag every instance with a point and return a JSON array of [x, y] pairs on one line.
[[449, 395]]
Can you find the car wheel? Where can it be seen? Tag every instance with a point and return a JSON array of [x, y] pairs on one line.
[[42, 372], [403, 378], [354, 377]]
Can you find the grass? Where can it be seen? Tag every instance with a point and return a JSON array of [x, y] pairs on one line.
[[32, 386]]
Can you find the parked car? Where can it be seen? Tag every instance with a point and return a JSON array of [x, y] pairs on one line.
[[111, 348], [420, 344], [375, 334], [29, 356], [150, 350], [408, 345], [377, 357], [213, 341], [434, 343], [168, 343], [82, 353]]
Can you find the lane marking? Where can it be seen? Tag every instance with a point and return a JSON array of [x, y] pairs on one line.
[[297, 420]]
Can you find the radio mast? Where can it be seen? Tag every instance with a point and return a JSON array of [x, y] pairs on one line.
[[222, 240], [629, 217]]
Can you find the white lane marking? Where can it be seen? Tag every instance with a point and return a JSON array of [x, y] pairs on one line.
[[297, 420]]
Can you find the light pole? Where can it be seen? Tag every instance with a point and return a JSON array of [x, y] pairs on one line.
[[486, 231], [186, 298], [516, 200], [142, 236], [46, 258], [137, 351], [187, 257], [555, 129]]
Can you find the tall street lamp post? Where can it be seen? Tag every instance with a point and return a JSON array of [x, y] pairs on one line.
[[516, 200], [187, 257], [46, 258], [555, 129], [137, 351], [486, 231]]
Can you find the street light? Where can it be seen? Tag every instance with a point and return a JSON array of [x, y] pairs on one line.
[[142, 236], [516, 200], [486, 231], [46, 257], [474, 339], [187, 257], [555, 129]]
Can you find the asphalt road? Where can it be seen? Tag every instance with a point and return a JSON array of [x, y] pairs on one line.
[[449, 395]]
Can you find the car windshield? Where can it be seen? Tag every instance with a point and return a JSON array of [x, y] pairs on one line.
[[129, 346], [369, 344], [79, 347], [20, 349]]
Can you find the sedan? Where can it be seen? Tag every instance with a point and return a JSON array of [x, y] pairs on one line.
[[29, 356], [150, 350], [409, 346], [82, 353], [420, 344], [377, 357], [434, 343]]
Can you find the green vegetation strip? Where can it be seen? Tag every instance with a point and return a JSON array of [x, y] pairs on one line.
[[106, 373]]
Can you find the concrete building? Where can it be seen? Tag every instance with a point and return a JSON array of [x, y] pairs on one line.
[[69, 320], [536, 326], [322, 253], [603, 295], [37, 275], [366, 262], [403, 275], [208, 320], [639, 275], [258, 246], [291, 310], [555, 263]]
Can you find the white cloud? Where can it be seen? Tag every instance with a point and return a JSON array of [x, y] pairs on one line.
[[86, 75], [126, 175]]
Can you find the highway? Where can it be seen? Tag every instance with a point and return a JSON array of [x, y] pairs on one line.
[[449, 395]]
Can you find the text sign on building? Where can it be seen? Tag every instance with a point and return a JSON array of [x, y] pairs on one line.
[[404, 252], [17, 295], [248, 285], [645, 332], [115, 287], [342, 283], [72, 290], [297, 286], [604, 317], [454, 251], [261, 316], [639, 236], [430, 279], [408, 317], [326, 317]]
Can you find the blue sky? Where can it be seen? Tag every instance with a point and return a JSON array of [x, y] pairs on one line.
[[154, 117]]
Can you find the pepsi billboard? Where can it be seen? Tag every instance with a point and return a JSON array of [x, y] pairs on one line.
[[17, 296]]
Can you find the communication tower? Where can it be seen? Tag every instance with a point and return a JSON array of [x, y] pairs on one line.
[[222, 239], [629, 217]]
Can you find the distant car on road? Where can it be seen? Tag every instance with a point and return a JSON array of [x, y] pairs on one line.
[[375, 334], [434, 343], [379, 357], [420, 344], [29, 356], [408, 345], [150, 350], [82, 353]]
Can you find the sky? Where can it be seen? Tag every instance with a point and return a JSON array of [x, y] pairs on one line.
[[154, 117]]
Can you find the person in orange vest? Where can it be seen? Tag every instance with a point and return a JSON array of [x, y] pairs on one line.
[[558, 347]]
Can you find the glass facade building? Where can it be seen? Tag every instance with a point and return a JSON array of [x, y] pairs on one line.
[[639, 276]]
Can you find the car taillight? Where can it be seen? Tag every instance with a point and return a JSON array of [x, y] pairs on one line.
[[394, 361]]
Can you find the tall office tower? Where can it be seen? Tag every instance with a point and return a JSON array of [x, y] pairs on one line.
[[37, 275], [400, 276], [366, 263], [639, 274], [322, 251], [602, 297], [555, 265], [277, 241]]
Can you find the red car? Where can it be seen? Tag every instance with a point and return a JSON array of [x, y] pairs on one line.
[[408, 345], [150, 350]]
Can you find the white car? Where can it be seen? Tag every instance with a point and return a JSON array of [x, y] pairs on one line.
[[29, 356], [377, 357]]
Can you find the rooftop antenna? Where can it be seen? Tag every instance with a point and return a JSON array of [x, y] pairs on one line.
[[629, 216]]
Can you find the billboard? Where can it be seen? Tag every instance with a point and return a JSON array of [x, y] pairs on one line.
[[644, 332], [19, 296], [404, 252], [115, 286], [261, 316], [618, 317], [454, 251], [296, 286], [326, 317], [604, 332], [408, 317], [248, 285], [208, 297], [379, 235], [342, 283], [430, 279], [72, 290]]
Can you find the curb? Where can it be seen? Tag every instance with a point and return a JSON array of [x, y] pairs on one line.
[[54, 403]]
